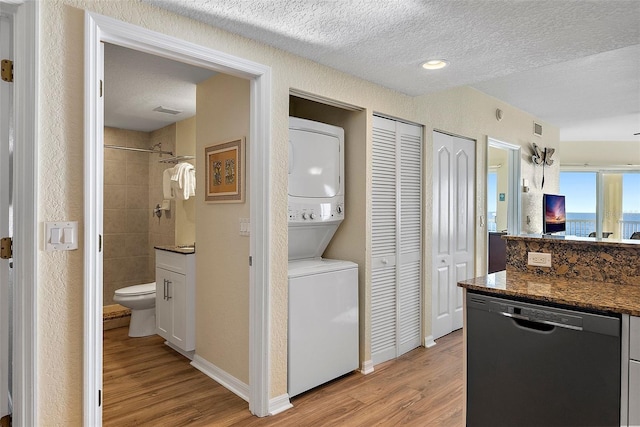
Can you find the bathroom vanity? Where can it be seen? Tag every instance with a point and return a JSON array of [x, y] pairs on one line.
[[175, 297]]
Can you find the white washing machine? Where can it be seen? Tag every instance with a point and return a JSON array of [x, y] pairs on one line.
[[323, 293]]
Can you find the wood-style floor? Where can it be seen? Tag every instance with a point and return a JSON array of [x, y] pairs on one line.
[[148, 384]]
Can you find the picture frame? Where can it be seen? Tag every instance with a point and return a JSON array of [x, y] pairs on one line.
[[224, 172]]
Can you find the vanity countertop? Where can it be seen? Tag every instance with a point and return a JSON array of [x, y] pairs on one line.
[[186, 250], [579, 293]]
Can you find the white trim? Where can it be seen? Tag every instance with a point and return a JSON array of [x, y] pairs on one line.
[[188, 354], [222, 377], [279, 404], [514, 218], [101, 28], [25, 246], [429, 342], [366, 367]]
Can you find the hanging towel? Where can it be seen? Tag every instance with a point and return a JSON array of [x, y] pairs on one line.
[[183, 181], [167, 188]]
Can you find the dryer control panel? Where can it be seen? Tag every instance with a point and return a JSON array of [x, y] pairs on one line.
[[316, 212]]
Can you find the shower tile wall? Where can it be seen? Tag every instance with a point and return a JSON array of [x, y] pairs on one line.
[[162, 231], [128, 254]]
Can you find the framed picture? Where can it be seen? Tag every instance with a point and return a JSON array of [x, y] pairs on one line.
[[225, 172]]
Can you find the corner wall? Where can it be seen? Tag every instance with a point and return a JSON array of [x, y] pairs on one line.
[[222, 255]]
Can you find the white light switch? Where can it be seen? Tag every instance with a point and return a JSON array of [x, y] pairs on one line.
[[61, 236], [245, 226]]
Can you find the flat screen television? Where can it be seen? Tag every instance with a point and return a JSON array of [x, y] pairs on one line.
[[554, 217]]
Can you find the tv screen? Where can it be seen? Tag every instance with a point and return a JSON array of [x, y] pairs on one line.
[[554, 215]]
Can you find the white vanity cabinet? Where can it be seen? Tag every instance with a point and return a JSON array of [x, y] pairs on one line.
[[634, 371], [175, 298]]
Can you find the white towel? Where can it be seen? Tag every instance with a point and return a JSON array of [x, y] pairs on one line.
[[167, 190], [183, 181]]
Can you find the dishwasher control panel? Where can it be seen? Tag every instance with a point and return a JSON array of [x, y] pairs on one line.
[[529, 312], [541, 316]]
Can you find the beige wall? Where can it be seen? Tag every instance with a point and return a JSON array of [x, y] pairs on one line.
[[462, 111], [185, 210], [222, 255], [600, 153]]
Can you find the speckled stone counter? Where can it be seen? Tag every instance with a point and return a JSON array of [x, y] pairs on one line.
[[579, 293], [604, 260], [186, 250]]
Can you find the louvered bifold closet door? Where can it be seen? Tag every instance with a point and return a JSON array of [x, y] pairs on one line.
[[383, 241], [396, 239], [410, 242]]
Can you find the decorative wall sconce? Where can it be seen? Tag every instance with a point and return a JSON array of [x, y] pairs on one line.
[[542, 156]]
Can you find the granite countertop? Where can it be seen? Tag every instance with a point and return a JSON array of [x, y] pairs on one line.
[[590, 241], [603, 296], [186, 250]]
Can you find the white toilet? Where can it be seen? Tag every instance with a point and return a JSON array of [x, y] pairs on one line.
[[141, 299]]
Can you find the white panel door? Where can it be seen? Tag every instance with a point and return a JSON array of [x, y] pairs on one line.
[[396, 239], [453, 228]]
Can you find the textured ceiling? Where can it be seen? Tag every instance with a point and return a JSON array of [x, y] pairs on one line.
[[135, 83], [568, 62]]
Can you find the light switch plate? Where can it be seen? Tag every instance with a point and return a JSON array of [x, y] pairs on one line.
[[61, 235]]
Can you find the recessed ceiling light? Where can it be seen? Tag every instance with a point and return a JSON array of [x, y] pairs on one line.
[[435, 64]]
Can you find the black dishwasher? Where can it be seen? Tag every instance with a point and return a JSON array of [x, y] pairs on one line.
[[539, 365]]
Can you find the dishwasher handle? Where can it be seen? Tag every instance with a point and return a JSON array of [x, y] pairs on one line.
[[522, 319]]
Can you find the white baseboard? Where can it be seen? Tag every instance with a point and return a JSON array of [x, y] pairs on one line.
[[221, 377], [429, 342], [187, 354], [366, 367], [279, 404]]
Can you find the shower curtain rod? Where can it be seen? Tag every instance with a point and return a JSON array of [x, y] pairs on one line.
[[144, 150]]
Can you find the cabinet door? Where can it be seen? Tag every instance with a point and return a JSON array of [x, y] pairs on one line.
[[163, 305], [634, 393], [634, 341], [177, 295]]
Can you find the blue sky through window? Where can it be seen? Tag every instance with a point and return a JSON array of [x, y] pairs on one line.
[[580, 191]]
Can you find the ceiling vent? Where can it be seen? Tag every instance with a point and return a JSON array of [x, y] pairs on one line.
[[167, 110], [537, 129]]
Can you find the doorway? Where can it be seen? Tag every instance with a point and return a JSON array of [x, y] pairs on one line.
[[503, 199], [101, 29]]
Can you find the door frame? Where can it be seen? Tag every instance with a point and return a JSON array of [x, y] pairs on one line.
[[514, 220], [25, 208], [98, 29]]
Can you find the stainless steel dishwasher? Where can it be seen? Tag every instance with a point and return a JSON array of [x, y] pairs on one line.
[[539, 365]]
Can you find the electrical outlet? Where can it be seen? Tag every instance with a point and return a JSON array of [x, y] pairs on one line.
[[539, 259]]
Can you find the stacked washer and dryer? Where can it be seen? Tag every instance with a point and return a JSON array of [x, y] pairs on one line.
[[323, 293]]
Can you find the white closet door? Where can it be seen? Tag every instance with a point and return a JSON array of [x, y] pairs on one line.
[[383, 241], [410, 238], [396, 239], [453, 228]]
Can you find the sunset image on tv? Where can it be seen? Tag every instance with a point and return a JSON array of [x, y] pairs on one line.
[[554, 214]]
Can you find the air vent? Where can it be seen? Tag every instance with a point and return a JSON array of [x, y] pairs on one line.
[[167, 110], [537, 129]]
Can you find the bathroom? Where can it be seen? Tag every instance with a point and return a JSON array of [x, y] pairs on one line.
[[133, 188]]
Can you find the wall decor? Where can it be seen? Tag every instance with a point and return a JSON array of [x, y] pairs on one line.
[[224, 172], [542, 156]]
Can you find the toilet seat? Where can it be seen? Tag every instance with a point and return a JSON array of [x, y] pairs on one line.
[[137, 290]]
